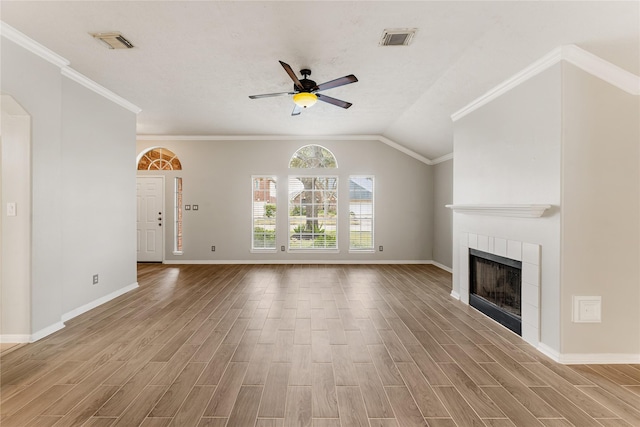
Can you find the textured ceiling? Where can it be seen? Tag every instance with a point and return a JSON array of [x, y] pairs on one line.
[[195, 62]]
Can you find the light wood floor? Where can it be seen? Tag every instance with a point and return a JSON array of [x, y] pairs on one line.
[[264, 346]]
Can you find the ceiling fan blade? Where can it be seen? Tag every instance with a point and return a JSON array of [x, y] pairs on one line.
[[293, 76], [296, 110], [333, 101], [269, 95], [337, 82]]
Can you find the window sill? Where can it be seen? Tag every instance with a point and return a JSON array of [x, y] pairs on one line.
[[177, 252], [313, 251], [362, 251], [263, 251]]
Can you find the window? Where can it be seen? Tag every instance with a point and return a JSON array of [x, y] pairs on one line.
[[313, 212], [264, 213], [177, 203], [361, 213], [313, 201], [313, 156], [159, 159]]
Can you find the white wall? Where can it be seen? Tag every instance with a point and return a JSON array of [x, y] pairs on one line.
[[442, 216], [600, 213], [571, 140], [508, 152], [217, 177]]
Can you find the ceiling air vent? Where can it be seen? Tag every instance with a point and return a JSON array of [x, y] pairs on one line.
[[113, 40], [397, 37]]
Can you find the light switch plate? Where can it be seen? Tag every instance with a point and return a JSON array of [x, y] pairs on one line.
[[587, 309], [11, 209]]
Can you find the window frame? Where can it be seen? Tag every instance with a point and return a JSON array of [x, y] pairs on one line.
[[253, 249], [336, 178], [373, 208], [178, 224]]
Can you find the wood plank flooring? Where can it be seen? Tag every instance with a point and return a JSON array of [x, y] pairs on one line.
[[300, 345]]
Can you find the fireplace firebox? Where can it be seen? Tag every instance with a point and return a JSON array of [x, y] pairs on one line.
[[495, 288]]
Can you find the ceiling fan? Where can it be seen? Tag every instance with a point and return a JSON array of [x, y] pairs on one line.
[[305, 91]]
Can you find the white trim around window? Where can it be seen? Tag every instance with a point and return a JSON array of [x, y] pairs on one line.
[[263, 213], [312, 215], [361, 214]]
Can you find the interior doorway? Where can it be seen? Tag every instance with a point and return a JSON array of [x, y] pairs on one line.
[[15, 222]]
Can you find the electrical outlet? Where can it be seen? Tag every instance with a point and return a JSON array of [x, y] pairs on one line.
[[95, 279], [380, 248], [213, 248], [282, 248]]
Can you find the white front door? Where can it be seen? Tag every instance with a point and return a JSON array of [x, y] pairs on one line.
[[150, 238]]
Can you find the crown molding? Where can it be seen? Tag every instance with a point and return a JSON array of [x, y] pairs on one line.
[[47, 54], [532, 70], [379, 138], [572, 54], [100, 90], [442, 159], [405, 150], [604, 70], [10, 33]]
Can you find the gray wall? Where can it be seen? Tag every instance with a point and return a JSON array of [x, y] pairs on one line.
[[600, 213], [442, 216], [83, 187], [37, 85], [217, 176], [98, 181]]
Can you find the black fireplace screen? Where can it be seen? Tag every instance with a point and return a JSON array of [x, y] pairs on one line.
[[495, 284]]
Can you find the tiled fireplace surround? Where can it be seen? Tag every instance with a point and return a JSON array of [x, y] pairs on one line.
[[528, 254]]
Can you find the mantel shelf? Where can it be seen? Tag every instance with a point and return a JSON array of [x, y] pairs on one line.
[[520, 211]]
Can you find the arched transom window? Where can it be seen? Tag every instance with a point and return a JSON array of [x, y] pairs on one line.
[[159, 159], [313, 156]]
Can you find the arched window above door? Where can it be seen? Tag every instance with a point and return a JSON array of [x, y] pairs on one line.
[[159, 159]]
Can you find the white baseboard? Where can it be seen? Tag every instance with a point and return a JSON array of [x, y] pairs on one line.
[[73, 313], [93, 304], [14, 338], [294, 261], [46, 331], [589, 358], [441, 266], [455, 295]]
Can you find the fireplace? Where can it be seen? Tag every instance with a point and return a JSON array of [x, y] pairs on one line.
[[495, 288]]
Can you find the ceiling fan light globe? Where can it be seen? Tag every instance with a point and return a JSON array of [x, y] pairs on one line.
[[305, 99]]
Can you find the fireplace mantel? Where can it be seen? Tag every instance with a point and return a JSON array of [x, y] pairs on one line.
[[520, 211]]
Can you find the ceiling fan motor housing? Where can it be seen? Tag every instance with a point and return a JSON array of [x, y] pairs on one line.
[[307, 85]]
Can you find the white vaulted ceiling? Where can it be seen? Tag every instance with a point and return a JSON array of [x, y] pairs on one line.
[[196, 62]]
